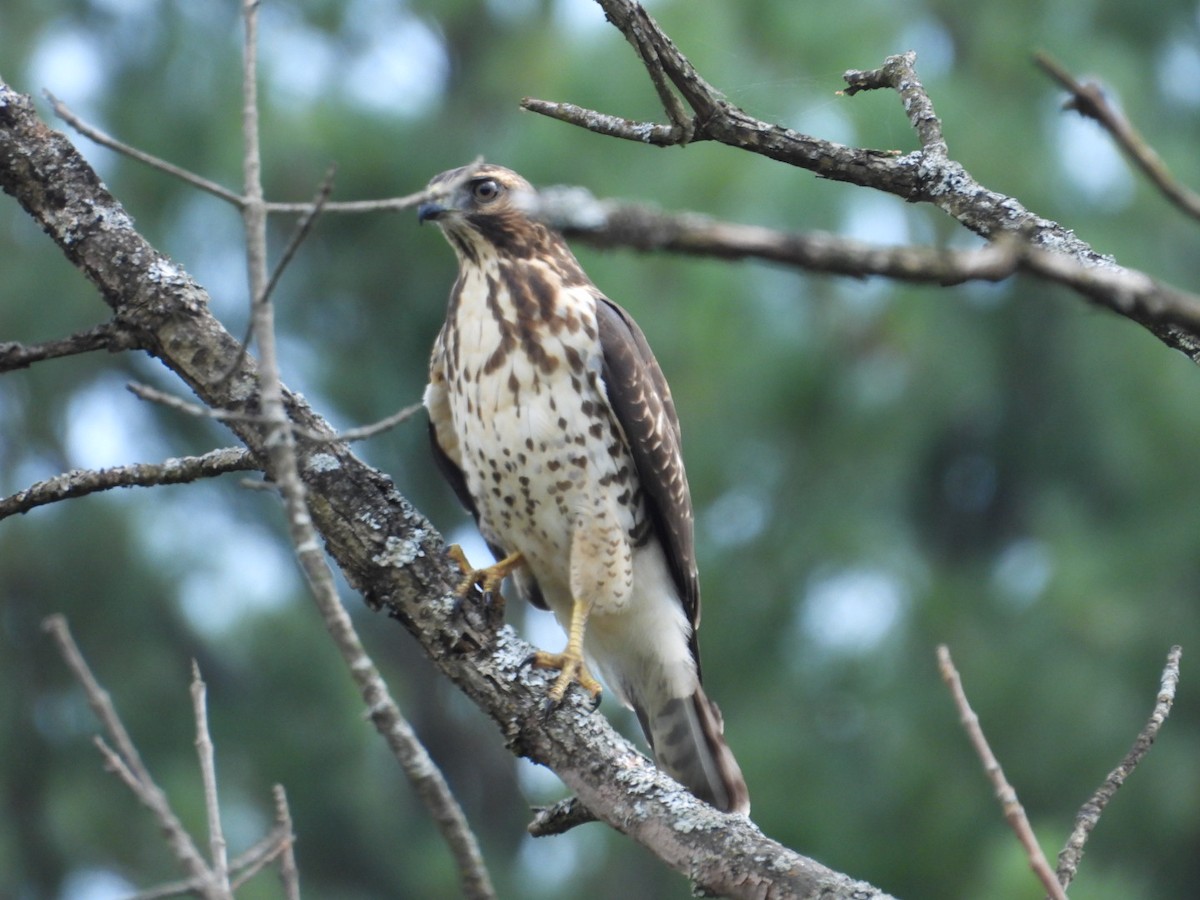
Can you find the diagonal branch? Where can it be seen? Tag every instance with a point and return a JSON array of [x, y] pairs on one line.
[[900, 74], [603, 223], [284, 463], [81, 482], [387, 549], [1089, 100], [110, 336], [1014, 812], [1089, 815], [127, 762], [390, 204], [924, 176]]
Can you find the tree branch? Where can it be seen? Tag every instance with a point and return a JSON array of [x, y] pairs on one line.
[[1089, 814], [899, 73], [1128, 292], [1090, 101], [279, 441], [81, 482], [386, 548], [208, 777], [127, 762], [1014, 812], [924, 176], [110, 336], [390, 204]]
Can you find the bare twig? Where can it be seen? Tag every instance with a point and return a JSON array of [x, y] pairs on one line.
[[81, 482], [1128, 292], [1089, 814], [426, 778], [360, 433], [302, 230], [1014, 813], [1090, 101], [105, 336], [289, 875], [104, 140], [672, 105], [613, 126], [899, 73], [559, 818], [367, 431], [125, 758], [154, 395], [299, 233], [208, 776], [389, 204]]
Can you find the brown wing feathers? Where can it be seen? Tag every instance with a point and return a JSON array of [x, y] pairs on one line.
[[642, 402]]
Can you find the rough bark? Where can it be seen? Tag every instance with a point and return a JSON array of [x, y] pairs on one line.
[[387, 549]]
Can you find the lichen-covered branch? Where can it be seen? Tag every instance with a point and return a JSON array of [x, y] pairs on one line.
[[1089, 100], [1127, 292], [386, 548], [81, 482], [105, 336], [1089, 814], [927, 175]]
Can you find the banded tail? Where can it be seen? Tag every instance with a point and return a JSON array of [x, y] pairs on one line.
[[686, 737]]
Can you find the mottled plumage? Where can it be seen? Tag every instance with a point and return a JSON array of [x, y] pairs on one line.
[[552, 420]]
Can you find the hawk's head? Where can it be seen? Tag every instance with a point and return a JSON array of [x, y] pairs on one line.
[[484, 212]]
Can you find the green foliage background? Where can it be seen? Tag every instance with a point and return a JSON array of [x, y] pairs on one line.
[[877, 468]]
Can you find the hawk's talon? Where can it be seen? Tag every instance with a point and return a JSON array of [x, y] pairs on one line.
[[488, 579], [572, 670]]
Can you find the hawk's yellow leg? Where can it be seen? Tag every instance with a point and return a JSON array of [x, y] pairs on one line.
[[570, 662], [488, 578]]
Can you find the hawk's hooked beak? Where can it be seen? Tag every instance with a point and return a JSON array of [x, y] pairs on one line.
[[430, 209]]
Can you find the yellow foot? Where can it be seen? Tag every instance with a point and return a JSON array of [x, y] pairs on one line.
[[571, 669], [487, 579]]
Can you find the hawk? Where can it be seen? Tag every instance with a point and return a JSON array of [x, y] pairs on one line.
[[552, 421]]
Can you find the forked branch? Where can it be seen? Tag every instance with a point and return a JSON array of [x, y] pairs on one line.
[[1089, 814], [926, 175], [1089, 100]]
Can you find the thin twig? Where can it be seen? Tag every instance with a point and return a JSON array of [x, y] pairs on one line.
[[366, 431], [604, 223], [302, 230], [388, 204], [125, 758], [654, 133], [106, 336], [105, 140], [81, 482], [1014, 813], [427, 780], [289, 875], [899, 73], [1089, 814], [299, 233], [672, 105], [359, 433], [1089, 100], [208, 777], [559, 818]]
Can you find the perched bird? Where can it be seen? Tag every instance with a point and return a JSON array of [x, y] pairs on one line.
[[550, 417]]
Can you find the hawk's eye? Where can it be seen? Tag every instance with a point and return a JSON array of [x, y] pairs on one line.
[[485, 191]]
